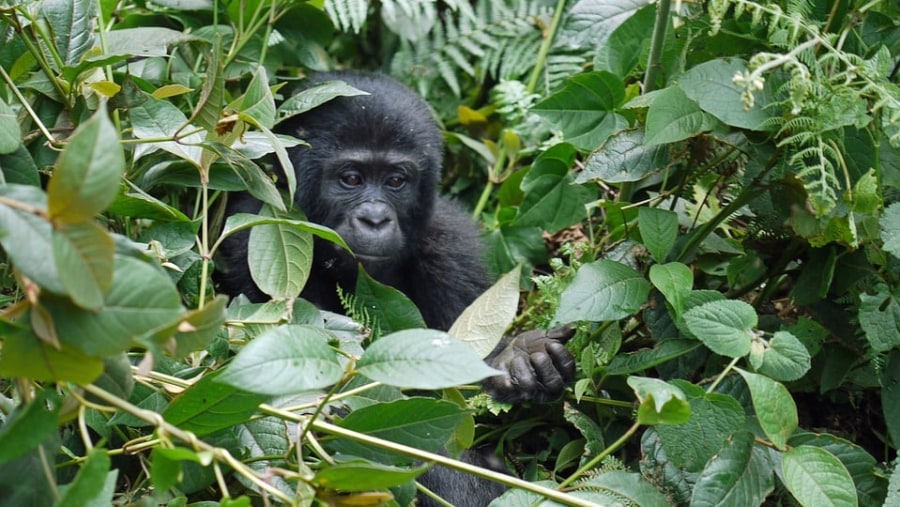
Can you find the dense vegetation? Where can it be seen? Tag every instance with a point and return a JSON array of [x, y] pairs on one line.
[[709, 191]]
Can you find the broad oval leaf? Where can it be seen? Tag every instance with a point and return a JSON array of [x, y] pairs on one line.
[[775, 408], [483, 322], [10, 133], [88, 172], [209, 406], [84, 256], [622, 158], [387, 307], [359, 475], [737, 475], [712, 86], [674, 280], [817, 478], [285, 360], [422, 359], [280, 258], [602, 291], [785, 358], [674, 117], [726, 326], [659, 228]]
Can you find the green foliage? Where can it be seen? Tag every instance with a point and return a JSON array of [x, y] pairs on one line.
[[709, 198]]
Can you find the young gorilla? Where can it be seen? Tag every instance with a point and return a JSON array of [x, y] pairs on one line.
[[371, 173]]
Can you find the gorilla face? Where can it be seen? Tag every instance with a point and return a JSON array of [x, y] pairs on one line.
[[369, 172], [372, 194]]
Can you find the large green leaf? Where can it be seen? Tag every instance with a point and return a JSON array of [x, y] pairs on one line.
[[84, 259], [583, 109], [27, 356], [739, 474], [483, 322], [422, 359], [674, 117], [775, 408], [817, 478], [87, 175], [659, 229], [422, 423], [285, 360], [726, 327], [359, 475], [661, 402], [210, 405], [280, 257], [29, 425], [711, 85], [93, 485], [602, 291], [386, 306], [72, 22]]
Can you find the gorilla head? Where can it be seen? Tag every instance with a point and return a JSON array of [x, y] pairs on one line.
[[370, 172]]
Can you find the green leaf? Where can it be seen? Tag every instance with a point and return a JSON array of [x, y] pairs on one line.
[[739, 474], [583, 109], [10, 133], [315, 96], [87, 175], [84, 255], [257, 105], [674, 280], [866, 472], [602, 291], [674, 117], [94, 484], [483, 322], [143, 205], [625, 364], [623, 157], [156, 119], [890, 229], [659, 228], [27, 356], [285, 360], [72, 22], [422, 359], [890, 395], [551, 201], [774, 407], [26, 239], [714, 418], [661, 402], [626, 485], [784, 358], [363, 476], [166, 470], [423, 423], [726, 327], [879, 317], [19, 168], [142, 298], [280, 256], [212, 95], [385, 305], [209, 406], [28, 425], [711, 85], [627, 44], [203, 325], [817, 479]]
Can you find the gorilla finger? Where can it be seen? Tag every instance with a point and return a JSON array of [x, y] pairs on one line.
[[562, 359], [523, 377], [561, 334], [552, 380], [500, 387]]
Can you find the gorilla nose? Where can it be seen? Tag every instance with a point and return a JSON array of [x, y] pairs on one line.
[[373, 215]]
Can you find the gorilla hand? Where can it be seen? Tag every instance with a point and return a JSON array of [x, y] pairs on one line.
[[536, 363]]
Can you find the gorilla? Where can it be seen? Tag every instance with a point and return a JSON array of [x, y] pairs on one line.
[[370, 171]]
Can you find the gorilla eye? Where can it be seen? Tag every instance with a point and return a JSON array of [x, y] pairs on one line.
[[396, 182], [351, 179]]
